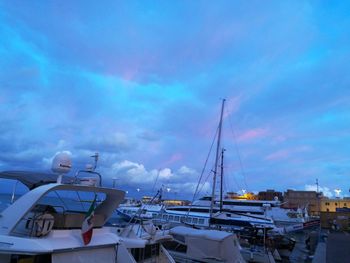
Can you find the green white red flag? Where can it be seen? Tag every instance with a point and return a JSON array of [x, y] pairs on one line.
[[87, 227]]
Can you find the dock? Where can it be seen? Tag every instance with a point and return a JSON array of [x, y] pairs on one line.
[[336, 249]]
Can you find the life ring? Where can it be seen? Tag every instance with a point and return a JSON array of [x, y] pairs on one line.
[[43, 224]]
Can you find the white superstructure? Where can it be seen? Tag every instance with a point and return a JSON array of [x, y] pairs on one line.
[[270, 209]]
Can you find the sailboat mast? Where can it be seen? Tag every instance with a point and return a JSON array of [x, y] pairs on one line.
[[222, 179], [216, 159]]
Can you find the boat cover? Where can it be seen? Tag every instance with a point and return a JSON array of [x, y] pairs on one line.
[[33, 179], [105, 255], [209, 244]]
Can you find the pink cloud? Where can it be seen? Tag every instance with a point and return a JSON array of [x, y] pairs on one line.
[[174, 158], [253, 134], [281, 154]]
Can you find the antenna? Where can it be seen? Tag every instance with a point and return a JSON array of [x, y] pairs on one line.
[[95, 156], [317, 185]]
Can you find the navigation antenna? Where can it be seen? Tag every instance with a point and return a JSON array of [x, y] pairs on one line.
[[95, 156]]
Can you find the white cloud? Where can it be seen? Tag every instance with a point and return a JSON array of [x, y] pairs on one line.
[[325, 190], [135, 175], [185, 170]]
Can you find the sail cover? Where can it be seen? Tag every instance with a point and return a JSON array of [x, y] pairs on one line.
[[105, 255], [209, 244]]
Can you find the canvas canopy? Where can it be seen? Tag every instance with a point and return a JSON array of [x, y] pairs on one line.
[[208, 244], [33, 179], [106, 255]]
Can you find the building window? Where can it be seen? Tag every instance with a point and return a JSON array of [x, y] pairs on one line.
[[327, 209], [345, 204], [336, 204]]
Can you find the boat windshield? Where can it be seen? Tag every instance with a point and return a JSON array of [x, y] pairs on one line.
[[71, 201]]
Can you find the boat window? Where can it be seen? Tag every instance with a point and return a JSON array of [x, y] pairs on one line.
[[154, 215], [189, 220], [176, 218], [73, 201], [12, 190], [201, 221], [171, 218], [195, 220], [165, 217]]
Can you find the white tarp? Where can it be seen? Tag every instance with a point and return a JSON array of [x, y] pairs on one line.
[[97, 255], [205, 244]]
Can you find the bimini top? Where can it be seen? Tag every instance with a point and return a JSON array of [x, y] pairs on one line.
[[33, 179]]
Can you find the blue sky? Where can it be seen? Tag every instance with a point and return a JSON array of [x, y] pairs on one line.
[[140, 82]]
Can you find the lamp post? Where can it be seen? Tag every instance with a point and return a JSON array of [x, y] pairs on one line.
[[337, 191]]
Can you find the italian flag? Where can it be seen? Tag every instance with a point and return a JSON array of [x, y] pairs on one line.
[[87, 227]]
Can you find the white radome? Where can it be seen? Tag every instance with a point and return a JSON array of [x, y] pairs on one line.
[[61, 163]]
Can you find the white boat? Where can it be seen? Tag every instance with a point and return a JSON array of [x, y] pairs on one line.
[[269, 209], [45, 224], [195, 216]]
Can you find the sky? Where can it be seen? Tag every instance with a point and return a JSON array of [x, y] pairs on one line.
[[142, 82]]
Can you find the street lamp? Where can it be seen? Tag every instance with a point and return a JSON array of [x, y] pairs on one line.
[[337, 191]]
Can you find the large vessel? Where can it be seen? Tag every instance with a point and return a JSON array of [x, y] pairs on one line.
[[56, 222], [269, 209]]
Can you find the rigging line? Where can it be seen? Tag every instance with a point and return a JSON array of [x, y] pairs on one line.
[[239, 155], [203, 170], [206, 180], [237, 185], [156, 181]]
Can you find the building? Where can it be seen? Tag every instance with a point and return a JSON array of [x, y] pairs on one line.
[[171, 202], [245, 196], [335, 205], [303, 199], [335, 213], [270, 194]]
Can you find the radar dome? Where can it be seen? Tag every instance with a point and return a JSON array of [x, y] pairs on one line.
[[61, 163]]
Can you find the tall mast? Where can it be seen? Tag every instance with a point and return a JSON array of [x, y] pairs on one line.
[[216, 159], [222, 178]]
